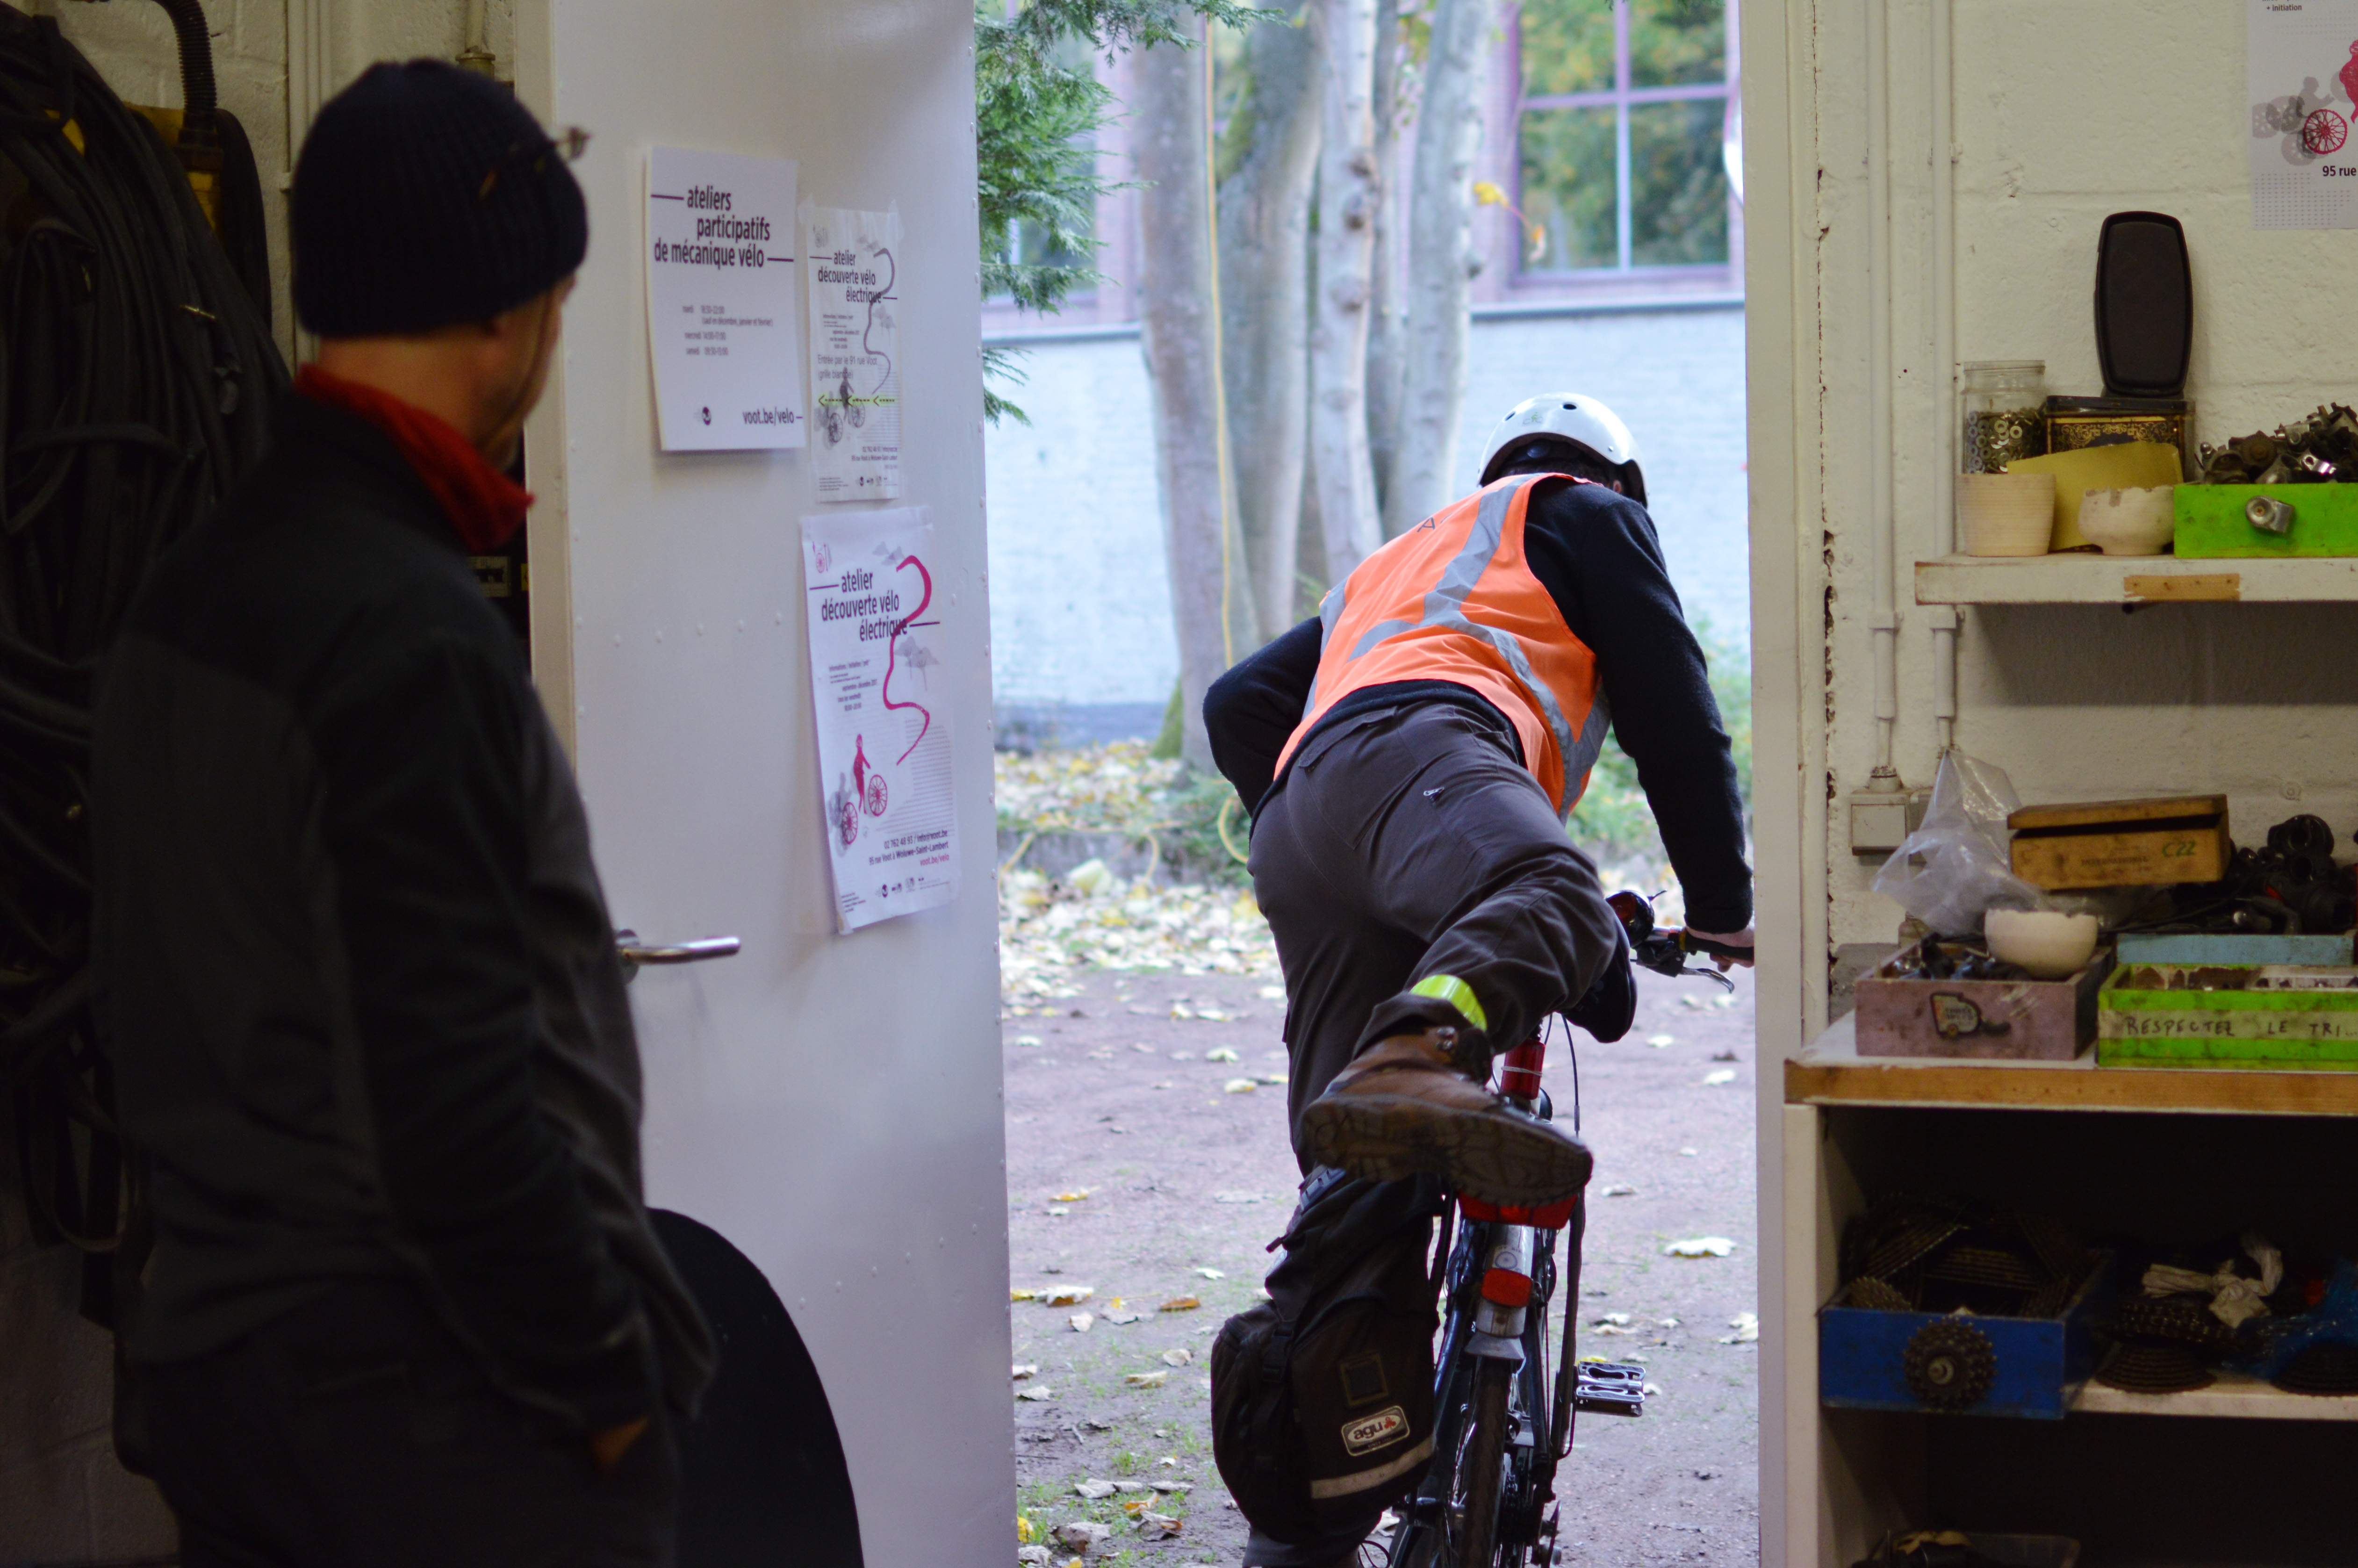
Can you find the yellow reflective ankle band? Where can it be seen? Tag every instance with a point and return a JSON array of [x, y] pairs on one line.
[[1457, 993]]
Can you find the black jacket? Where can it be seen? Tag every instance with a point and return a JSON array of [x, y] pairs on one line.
[[353, 969], [1597, 554]]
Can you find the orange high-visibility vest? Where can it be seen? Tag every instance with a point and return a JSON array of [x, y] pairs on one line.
[[1453, 599]]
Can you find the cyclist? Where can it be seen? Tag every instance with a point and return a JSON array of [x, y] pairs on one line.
[[1411, 756]]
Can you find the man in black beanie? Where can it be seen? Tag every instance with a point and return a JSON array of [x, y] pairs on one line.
[[354, 972]]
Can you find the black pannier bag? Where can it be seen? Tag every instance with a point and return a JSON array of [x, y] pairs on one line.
[[1322, 1397]]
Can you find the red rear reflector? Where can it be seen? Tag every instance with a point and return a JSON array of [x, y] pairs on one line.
[[1507, 1288]]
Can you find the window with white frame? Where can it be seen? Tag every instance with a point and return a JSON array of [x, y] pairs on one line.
[[1620, 115]]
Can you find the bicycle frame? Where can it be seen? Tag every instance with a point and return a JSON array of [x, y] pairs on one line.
[[1501, 1274]]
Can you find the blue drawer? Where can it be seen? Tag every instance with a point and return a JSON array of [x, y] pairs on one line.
[[2035, 1365]]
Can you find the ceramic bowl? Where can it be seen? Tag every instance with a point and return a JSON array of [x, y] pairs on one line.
[[2128, 522], [2005, 513], [2050, 945]]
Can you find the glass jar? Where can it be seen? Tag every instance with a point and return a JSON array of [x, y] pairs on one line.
[[2006, 416]]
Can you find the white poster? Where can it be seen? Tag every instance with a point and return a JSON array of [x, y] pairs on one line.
[[883, 738], [855, 354], [2301, 69], [720, 300]]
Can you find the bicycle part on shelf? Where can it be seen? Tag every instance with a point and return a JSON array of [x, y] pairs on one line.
[[2323, 1370], [1611, 1388], [1875, 1295], [2154, 1368], [2170, 1320], [1950, 1364], [1994, 1266]]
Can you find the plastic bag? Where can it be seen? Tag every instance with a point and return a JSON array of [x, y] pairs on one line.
[[1957, 866]]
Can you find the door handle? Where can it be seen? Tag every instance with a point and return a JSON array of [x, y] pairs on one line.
[[633, 952]]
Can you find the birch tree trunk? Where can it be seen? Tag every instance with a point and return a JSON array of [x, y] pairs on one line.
[[1440, 253], [1349, 191], [1264, 303], [1385, 327], [1211, 603]]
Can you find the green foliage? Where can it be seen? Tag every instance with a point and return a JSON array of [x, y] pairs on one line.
[[1037, 110], [1567, 46], [1168, 740], [1614, 822]]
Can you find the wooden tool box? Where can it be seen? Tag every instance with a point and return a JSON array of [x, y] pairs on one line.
[[1900, 1014], [2123, 843]]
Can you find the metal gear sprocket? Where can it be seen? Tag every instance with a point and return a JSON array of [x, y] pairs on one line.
[[1950, 1364]]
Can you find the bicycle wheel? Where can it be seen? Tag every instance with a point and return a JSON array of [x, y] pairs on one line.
[[1482, 1482]]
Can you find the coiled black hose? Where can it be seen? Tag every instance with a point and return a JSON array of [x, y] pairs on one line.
[[135, 373]]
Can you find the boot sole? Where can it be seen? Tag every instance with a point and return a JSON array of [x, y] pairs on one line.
[[1500, 1159]]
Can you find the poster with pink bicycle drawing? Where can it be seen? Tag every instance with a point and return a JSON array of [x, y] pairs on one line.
[[2300, 68], [875, 620]]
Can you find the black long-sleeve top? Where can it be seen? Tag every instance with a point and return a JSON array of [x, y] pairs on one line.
[[352, 965], [1597, 554]]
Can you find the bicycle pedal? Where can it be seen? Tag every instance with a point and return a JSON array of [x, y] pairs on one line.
[[1610, 1388]]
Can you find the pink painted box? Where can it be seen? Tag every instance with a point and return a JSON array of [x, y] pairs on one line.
[[2035, 1021]]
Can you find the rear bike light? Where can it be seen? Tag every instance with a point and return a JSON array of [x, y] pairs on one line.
[[1507, 1288]]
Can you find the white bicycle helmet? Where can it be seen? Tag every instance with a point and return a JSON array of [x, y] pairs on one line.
[[1570, 416]]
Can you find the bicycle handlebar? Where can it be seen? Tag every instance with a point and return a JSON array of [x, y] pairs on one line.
[[1665, 949]]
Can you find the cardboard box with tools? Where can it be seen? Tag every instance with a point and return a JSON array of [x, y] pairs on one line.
[[2122, 843]]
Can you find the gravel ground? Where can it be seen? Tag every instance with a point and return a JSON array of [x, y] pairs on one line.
[[1135, 1172]]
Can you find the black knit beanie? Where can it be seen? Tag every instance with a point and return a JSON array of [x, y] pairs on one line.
[[428, 196]]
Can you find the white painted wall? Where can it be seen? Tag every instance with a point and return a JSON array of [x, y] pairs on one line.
[[2081, 702], [830, 1104], [2250, 700], [1083, 611]]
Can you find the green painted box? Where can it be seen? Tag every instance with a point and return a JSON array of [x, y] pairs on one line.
[[2211, 524], [2303, 1017]]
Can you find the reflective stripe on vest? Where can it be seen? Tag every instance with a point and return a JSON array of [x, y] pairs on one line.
[[1453, 599]]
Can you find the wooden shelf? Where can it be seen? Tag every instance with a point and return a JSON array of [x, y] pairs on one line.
[[2136, 580], [2235, 1397], [1833, 1073]]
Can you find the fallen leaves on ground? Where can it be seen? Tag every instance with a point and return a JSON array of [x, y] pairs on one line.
[[1047, 928], [1179, 1303], [1699, 1246], [1747, 1329], [1147, 1379]]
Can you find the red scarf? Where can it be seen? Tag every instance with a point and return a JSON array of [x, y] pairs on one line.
[[485, 506]]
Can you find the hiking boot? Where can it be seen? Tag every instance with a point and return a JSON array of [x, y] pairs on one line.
[[1403, 1108]]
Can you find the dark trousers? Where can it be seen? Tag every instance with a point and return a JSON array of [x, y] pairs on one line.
[[1408, 842], [356, 1431]]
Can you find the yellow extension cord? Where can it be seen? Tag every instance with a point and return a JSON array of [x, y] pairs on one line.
[[1219, 377]]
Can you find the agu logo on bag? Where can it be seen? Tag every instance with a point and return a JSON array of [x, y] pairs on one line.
[[1371, 1432]]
